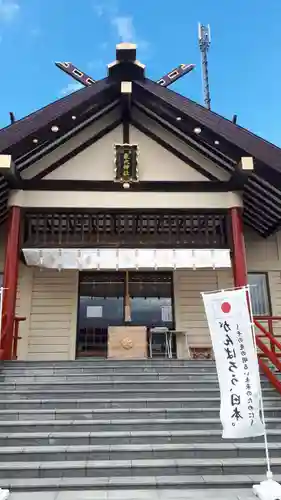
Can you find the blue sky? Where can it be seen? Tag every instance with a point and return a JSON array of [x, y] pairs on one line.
[[245, 74]]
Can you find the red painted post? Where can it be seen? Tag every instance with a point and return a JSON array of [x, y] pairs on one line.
[[10, 280], [239, 252]]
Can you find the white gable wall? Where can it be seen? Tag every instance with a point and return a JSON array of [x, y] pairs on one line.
[[96, 162]]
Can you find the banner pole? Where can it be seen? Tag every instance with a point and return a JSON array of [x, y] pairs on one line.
[[268, 489], [269, 474]]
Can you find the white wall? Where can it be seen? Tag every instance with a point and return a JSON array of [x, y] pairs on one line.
[[53, 315], [262, 256], [189, 309]]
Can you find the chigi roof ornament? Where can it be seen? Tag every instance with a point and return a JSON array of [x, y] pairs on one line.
[[125, 54]]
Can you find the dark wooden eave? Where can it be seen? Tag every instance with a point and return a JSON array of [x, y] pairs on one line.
[[39, 184], [233, 138], [261, 189], [17, 138]]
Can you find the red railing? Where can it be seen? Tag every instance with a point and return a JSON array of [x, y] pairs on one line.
[[16, 337], [269, 348]]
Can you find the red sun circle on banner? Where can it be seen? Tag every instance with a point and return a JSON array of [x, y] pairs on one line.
[[225, 307]]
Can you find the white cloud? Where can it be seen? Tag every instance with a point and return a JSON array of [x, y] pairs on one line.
[[98, 9], [8, 10], [125, 28], [105, 8], [71, 87], [122, 24]]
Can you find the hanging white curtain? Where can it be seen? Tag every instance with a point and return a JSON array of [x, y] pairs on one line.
[[107, 258]]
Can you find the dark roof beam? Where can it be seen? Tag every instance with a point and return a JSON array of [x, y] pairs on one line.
[[30, 153], [261, 228], [273, 230], [4, 194], [183, 122], [174, 151], [74, 152], [126, 102], [3, 215], [198, 146], [60, 128], [36, 184], [9, 172], [263, 198], [257, 188], [38, 125], [242, 138], [257, 216], [260, 209], [52, 145], [267, 185], [235, 139]]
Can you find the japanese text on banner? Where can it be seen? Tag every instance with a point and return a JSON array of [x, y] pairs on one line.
[[236, 361]]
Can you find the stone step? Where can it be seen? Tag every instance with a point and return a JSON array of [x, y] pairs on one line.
[[134, 385], [104, 362], [82, 378], [69, 438], [107, 370], [154, 467], [224, 483], [92, 404], [137, 452], [172, 493], [109, 366], [119, 413], [136, 424], [141, 392], [124, 425]]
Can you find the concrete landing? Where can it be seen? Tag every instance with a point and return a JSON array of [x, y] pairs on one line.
[[138, 495]]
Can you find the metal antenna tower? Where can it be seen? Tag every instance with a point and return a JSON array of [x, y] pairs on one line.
[[204, 39]]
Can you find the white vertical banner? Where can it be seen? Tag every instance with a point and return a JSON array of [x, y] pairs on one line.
[[236, 361]]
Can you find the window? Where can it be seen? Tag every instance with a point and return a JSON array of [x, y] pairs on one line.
[[151, 299], [259, 293]]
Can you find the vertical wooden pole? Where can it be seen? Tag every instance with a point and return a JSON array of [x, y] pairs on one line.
[[10, 280], [239, 252], [127, 298]]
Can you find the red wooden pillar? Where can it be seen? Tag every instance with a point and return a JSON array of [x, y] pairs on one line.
[[239, 253], [10, 280]]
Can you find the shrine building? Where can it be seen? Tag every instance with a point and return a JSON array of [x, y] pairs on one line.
[[119, 205]]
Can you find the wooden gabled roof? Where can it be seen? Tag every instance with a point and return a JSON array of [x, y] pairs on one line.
[[233, 138], [17, 138], [225, 143], [205, 131]]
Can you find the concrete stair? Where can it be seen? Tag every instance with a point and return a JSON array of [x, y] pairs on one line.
[[100, 424]]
